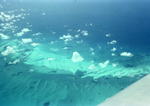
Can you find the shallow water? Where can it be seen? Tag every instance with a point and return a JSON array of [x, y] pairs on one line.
[[71, 53]]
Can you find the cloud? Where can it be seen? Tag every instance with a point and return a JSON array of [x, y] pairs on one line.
[[113, 49], [8, 51], [76, 57], [3, 36], [27, 40], [126, 54], [103, 65], [23, 31], [108, 35], [113, 54], [14, 62], [84, 32], [4, 17], [114, 64], [35, 34], [92, 67], [112, 42], [66, 38]]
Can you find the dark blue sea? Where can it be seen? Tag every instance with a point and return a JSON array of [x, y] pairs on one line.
[[71, 52]]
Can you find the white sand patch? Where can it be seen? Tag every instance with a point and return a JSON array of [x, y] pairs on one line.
[[103, 65], [4, 36], [27, 40], [126, 54], [76, 57], [8, 51]]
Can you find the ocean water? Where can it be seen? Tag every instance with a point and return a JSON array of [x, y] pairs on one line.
[[71, 53]]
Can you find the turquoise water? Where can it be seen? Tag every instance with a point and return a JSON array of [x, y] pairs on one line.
[[71, 53]]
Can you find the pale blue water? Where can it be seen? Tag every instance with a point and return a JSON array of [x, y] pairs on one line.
[[71, 53]]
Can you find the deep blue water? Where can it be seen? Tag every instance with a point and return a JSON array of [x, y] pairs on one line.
[[128, 22]]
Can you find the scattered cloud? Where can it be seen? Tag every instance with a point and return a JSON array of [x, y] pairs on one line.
[[76, 57], [126, 54]]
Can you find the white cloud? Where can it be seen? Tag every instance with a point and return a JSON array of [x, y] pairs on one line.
[[112, 42], [23, 31], [31, 70], [3, 36], [76, 57], [113, 54], [43, 13], [91, 24], [77, 36], [103, 65], [65, 48], [126, 54], [14, 62], [113, 49], [114, 65], [8, 51], [108, 35], [84, 32], [5, 18], [92, 53], [81, 41], [54, 49], [78, 30], [20, 33], [27, 40], [34, 44], [66, 38], [92, 67], [50, 59], [91, 49], [35, 34]]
